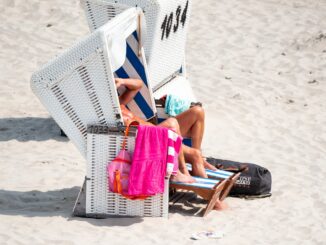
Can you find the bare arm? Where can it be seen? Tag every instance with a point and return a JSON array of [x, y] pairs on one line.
[[132, 88]]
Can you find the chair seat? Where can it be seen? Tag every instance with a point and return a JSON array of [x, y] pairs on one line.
[[200, 182], [218, 174]]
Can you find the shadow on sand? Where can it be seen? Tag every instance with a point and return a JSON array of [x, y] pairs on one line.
[[50, 204], [29, 129]]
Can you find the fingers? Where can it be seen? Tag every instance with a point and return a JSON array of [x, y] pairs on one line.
[[117, 82]]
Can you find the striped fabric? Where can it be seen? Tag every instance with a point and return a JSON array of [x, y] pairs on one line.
[[134, 67], [220, 174], [200, 182], [174, 144]]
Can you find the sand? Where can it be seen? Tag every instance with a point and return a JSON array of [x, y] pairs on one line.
[[259, 67]]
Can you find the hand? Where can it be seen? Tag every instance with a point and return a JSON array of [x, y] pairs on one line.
[[118, 82]]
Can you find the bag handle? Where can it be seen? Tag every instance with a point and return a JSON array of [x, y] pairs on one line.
[[234, 169], [124, 143], [117, 182]]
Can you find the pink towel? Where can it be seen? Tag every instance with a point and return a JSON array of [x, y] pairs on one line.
[[155, 147]]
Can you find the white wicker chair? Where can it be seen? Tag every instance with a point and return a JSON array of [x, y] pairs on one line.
[[78, 90], [167, 23]]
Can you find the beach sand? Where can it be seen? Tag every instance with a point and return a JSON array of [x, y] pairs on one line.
[[259, 67]]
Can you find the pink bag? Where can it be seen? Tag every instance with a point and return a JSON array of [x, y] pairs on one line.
[[119, 169], [118, 172]]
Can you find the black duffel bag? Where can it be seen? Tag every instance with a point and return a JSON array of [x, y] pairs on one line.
[[254, 181]]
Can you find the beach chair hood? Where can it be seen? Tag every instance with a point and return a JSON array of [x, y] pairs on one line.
[[78, 87], [118, 30]]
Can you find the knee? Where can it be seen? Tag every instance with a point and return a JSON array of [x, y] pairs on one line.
[[173, 124], [199, 112], [196, 155]]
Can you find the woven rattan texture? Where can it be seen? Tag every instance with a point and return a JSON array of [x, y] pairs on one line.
[[102, 148], [167, 24], [77, 89]]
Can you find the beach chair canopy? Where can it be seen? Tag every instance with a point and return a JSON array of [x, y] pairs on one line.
[[166, 22], [78, 87]]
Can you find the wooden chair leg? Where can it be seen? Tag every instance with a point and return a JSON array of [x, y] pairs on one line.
[[211, 195], [211, 203], [228, 186]]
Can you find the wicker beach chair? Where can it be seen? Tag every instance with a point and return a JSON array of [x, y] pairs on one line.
[[165, 51], [78, 90]]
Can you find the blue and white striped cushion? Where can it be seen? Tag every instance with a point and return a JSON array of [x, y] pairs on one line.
[[221, 174], [200, 182], [142, 105]]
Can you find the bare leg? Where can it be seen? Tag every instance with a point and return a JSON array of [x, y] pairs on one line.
[[191, 155], [192, 124], [198, 168], [219, 205], [171, 123], [208, 165], [194, 157], [180, 177], [182, 162], [183, 175]]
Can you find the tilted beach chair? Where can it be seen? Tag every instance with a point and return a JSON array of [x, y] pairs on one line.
[[209, 189], [166, 27], [229, 177]]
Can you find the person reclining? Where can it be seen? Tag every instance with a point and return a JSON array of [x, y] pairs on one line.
[[190, 124]]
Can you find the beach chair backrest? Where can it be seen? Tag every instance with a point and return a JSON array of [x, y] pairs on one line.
[[143, 104], [167, 24], [78, 87]]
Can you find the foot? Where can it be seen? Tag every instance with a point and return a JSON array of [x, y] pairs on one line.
[[220, 205], [184, 171], [208, 165], [183, 178]]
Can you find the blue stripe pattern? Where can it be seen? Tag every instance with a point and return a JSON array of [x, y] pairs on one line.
[[135, 35], [214, 173], [135, 62], [187, 142], [139, 99], [200, 182], [139, 68]]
